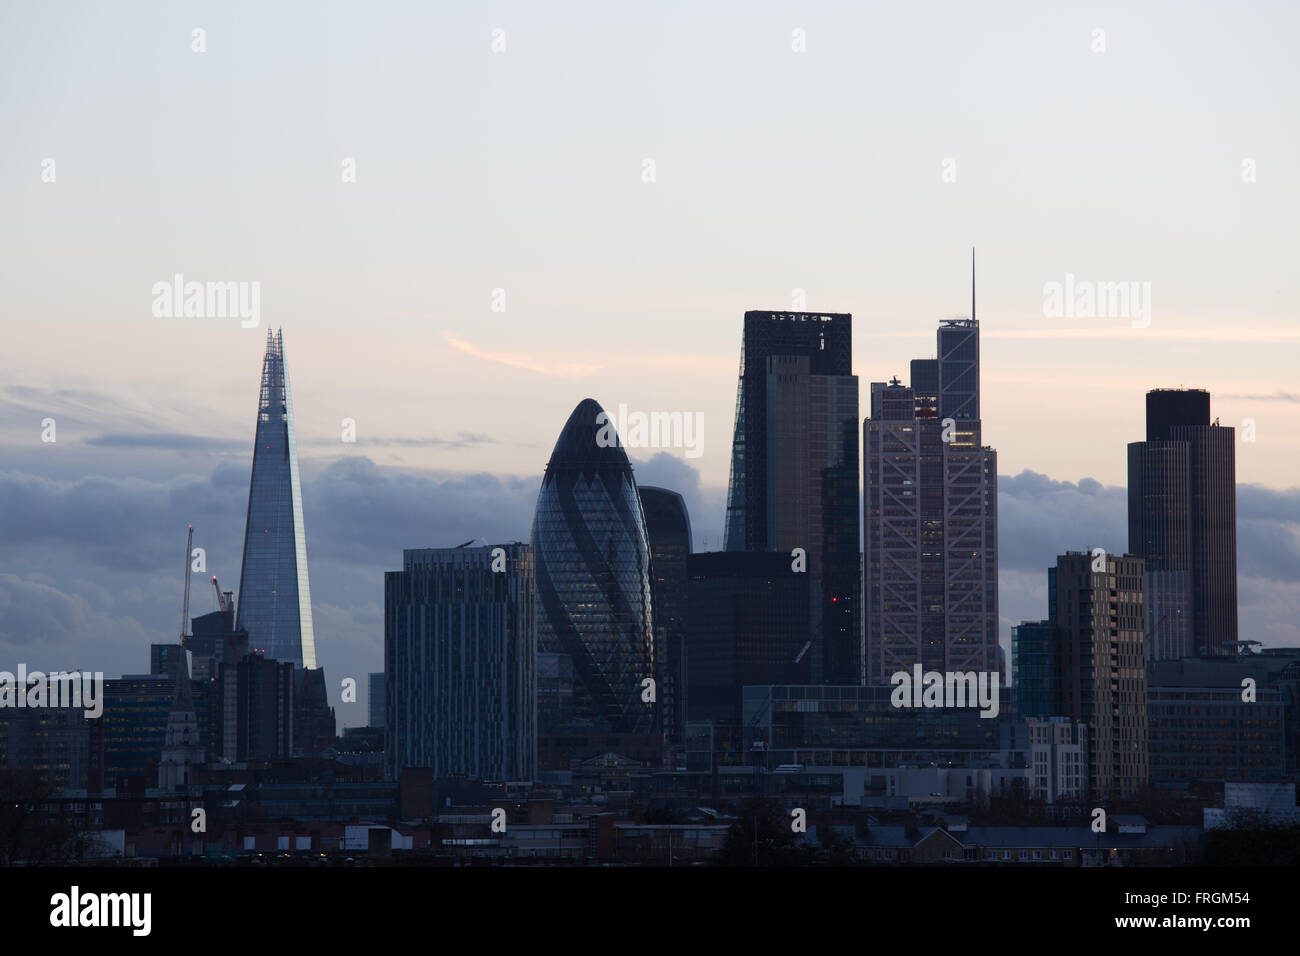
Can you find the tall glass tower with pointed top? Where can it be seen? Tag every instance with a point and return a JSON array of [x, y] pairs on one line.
[[274, 594], [592, 560]]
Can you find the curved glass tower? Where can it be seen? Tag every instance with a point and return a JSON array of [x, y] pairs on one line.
[[274, 593], [593, 576]]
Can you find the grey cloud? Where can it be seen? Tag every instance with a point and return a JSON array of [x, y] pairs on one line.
[[1040, 518], [161, 441], [704, 506], [463, 440]]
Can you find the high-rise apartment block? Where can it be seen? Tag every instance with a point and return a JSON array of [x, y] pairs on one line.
[[1097, 607], [460, 656]]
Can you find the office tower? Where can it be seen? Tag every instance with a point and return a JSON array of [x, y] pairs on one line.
[[668, 531], [748, 614], [313, 717], [1035, 669], [254, 709], [183, 751], [163, 657], [1182, 519], [133, 728], [1100, 624], [274, 593], [1200, 728], [794, 470], [556, 695], [49, 745], [460, 655], [214, 640], [930, 529], [826, 726], [593, 576], [375, 702]]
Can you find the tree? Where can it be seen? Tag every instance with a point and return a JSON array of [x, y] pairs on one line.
[[27, 833], [761, 836], [1252, 839]]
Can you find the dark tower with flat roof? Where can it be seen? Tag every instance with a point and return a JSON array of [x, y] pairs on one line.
[[794, 470], [1182, 516]]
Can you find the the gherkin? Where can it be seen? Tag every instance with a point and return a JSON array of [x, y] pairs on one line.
[[593, 575]]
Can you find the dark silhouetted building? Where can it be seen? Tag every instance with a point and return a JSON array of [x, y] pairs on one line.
[[163, 658], [313, 717], [51, 744], [460, 656], [213, 640], [1182, 515], [668, 529], [1202, 729], [254, 709], [1036, 668], [134, 725], [375, 700], [794, 470], [748, 625], [593, 577], [274, 592]]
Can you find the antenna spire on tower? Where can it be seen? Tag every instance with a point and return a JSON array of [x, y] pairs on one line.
[[972, 283]]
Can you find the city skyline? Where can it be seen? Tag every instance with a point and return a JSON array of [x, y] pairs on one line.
[[683, 476], [791, 435], [773, 181]]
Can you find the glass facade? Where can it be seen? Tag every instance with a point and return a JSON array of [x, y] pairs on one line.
[[668, 529], [136, 711], [794, 470], [1035, 664], [593, 576], [274, 593], [859, 726], [460, 662], [748, 615]]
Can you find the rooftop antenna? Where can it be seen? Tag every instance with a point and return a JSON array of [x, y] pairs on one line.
[[972, 283]]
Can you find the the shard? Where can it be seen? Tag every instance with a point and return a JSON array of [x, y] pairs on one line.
[[274, 594]]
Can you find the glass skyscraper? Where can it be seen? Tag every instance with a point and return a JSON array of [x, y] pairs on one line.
[[794, 470], [668, 529], [593, 578], [1182, 520], [274, 593]]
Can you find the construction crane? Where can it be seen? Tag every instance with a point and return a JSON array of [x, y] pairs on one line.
[[223, 603], [185, 610]]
